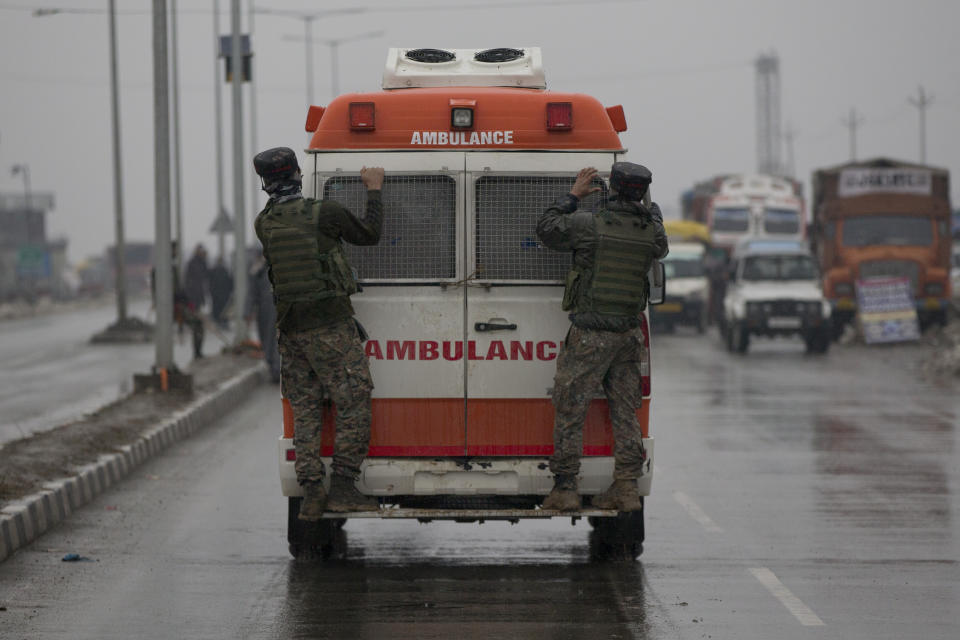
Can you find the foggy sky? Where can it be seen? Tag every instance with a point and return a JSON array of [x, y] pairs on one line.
[[682, 69]]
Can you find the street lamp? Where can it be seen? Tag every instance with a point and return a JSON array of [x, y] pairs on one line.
[[334, 44], [24, 170], [308, 18], [139, 331]]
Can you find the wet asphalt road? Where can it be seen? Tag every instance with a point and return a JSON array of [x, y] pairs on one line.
[[50, 374], [794, 497]]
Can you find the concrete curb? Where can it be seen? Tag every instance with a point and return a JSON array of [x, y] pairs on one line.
[[25, 520]]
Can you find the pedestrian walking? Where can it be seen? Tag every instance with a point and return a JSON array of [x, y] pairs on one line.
[[221, 288]]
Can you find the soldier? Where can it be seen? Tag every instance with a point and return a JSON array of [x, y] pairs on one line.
[[606, 291], [321, 350]]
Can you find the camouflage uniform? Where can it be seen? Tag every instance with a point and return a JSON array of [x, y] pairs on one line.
[[327, 364], [322, 356], [601, 349]]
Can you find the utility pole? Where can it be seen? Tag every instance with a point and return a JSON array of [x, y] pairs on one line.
[[239, 235], [921, 102], [162, 258], [177, 173], [852, 122], [120, 251]]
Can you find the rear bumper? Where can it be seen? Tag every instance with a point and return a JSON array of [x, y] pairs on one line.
[[384, 477]]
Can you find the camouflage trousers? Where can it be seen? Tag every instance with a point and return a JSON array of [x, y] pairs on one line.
[[327, 363], [590, 359]]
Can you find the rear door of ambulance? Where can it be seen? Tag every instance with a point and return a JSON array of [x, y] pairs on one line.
[[461, 301], [412, 303], [514, 324]]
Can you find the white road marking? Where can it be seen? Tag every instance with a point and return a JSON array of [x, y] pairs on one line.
[[794, 605], [696, 512]]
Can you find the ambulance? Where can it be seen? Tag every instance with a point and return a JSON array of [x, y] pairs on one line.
[[460, 300]]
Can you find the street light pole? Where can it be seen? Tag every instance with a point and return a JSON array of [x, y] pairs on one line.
[[239, 235], [24, 170], [254, 183], [120, 251], [177, 173], [334, 44], [162, 259], [218, 119], [308, 39]]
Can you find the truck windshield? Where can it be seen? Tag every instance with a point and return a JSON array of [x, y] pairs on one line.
[[731, 219], [683, 267], [781, 220], [779, 268], [864, 231]]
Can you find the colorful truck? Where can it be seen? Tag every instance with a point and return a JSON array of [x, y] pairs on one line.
[[883, 218]]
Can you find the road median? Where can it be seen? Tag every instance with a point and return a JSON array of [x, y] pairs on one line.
[[44, 478]]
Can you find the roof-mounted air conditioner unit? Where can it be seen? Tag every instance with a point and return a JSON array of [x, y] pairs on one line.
[[500, 67]]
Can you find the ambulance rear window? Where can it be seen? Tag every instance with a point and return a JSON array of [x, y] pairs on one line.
[[507, 212], [418, 241]]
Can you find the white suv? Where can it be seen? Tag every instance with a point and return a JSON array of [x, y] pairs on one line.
[[774, 290]]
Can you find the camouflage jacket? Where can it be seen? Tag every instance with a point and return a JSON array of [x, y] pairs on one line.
[[565, 228]]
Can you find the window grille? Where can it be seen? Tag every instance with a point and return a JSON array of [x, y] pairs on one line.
[[418, 241], [506, 227]]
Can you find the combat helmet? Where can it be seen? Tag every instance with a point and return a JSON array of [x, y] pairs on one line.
[[630, 181]]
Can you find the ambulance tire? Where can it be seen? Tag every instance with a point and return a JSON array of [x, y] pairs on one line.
[[322, 540], [617, 539]]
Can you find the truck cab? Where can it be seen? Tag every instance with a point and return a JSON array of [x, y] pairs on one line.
[[774, 290], [460, 300]]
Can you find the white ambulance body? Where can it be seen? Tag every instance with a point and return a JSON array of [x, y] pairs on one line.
[[460, 300]]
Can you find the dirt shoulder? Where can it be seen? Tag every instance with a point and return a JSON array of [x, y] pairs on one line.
[[27, 464]]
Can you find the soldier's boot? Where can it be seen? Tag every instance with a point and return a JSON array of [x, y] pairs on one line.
[[622, 495], [563, 496], [314, 501], [344, 496]]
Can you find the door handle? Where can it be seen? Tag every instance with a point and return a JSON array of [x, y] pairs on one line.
[[494, 326]]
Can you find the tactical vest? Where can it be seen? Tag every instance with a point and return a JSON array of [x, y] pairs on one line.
[[305, 266], [616, 284]]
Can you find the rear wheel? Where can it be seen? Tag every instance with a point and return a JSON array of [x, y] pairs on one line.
[[321, 540], [617, 539]]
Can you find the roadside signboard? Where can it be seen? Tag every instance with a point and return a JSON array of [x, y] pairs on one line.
[[33, 261], [886, 310]]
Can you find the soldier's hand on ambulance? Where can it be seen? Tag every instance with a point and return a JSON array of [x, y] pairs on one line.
[[372, 177], [583, 186]]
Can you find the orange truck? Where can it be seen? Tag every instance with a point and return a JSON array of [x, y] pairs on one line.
[[460, 300], [883, 218]]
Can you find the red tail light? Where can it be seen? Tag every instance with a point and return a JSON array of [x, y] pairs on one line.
[[291, 455], [559, 116], [645, 363], [362, 116]]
